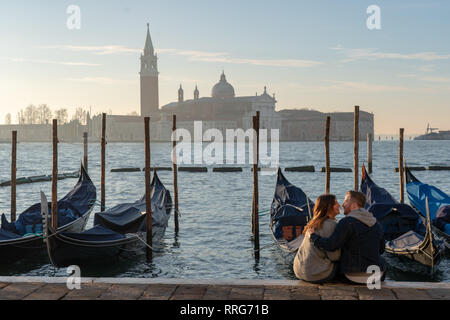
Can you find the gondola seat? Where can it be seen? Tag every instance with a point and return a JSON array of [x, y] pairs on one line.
[[30, 221], [289, 224], [291, 232]]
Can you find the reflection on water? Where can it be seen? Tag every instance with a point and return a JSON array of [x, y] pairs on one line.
[[214, 240]]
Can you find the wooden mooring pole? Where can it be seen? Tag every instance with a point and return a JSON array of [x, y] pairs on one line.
[[400, 166], [13, 174], [369, 152], [85, 150], [255, 154], [175, 172], [356, 149], [148, 190], [103, 163], [255, 215], [327, 155], [55, 176]]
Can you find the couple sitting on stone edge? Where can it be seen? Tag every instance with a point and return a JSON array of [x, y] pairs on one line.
[[341, 250]]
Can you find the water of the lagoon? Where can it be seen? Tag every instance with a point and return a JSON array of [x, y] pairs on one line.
[[214, 239]]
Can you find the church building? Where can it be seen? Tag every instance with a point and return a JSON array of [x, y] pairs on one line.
[[221, 109]]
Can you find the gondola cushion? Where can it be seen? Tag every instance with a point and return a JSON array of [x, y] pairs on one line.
[[291, 232], [30, 221], [97, 233], [288, 216]]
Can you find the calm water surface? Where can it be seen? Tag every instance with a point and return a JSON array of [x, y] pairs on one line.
[[215, 233]]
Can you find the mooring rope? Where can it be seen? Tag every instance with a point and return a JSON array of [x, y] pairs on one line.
[[264, 212], [144, 242], [38, 234], [99, 203]]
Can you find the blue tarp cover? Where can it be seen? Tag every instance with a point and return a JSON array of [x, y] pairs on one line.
[[130, 217], [70, 208], [380, 210], [396, 219], [97, 233], [289, 206], [417, 192], [438, 202], [374, 193]]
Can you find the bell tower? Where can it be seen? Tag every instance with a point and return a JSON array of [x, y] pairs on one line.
[[149, 79]]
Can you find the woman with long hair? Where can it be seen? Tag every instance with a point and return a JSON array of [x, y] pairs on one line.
[[312, 264]]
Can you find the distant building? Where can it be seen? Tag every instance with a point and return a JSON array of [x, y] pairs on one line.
[[222, 110], [309, 125]]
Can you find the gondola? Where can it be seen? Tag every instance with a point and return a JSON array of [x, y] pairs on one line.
[[290, 211], [118, 233], [24, 237], [438, 203], [407, 236]]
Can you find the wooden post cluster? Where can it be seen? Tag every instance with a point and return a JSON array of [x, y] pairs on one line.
[[13, 174], [175, 172], [369, 152], [85, 150], [148, 191], [103, 163], [400, 166], [356, 149], [255, 211], [55, 176], [327, 155]]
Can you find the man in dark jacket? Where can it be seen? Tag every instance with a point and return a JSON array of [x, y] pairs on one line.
[[360, 237]]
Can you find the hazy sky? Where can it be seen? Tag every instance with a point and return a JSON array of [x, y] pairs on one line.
[[315, 54]]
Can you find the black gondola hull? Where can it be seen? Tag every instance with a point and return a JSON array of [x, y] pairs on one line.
[[64, 251], [119, 232], [82, 197]]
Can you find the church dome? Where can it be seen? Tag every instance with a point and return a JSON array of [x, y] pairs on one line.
[[222, 89]]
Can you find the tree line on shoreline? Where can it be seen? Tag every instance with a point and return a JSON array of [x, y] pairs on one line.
[[43, 114]]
